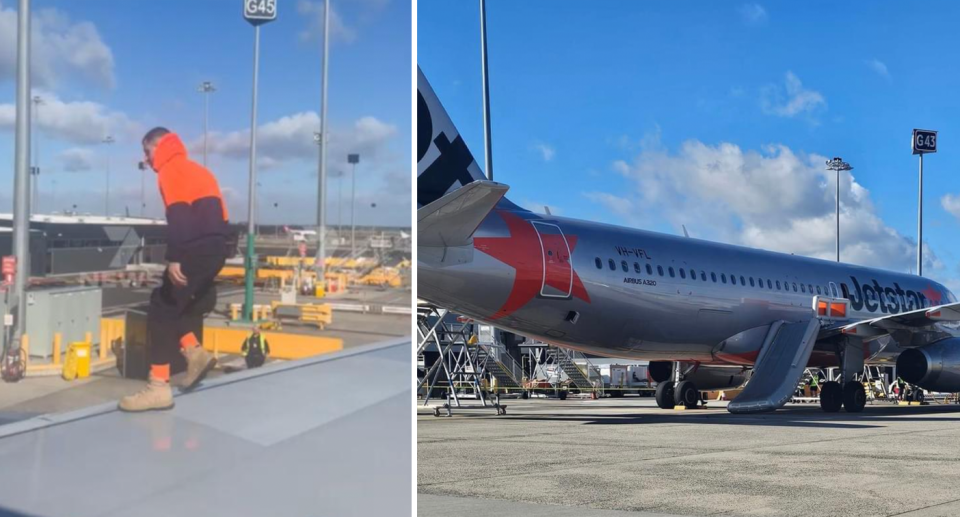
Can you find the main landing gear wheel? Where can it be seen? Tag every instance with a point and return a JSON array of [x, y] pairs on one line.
[[831, 397], [665, 395], [686, 393], [854, 397]]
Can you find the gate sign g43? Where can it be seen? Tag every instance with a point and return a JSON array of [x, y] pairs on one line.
[[259, 11], [924, 141]]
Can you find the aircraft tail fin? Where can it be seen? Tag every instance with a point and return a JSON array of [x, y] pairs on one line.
[[452, 219], [444, 163]]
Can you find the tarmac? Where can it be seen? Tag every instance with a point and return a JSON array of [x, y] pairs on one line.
[[610, 456]]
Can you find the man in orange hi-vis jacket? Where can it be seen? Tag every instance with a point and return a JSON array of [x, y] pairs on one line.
[[196, 251]]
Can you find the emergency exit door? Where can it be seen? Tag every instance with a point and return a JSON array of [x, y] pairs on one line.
[[557, 271]]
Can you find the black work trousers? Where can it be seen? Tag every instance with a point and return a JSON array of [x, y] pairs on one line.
[[176, 311]]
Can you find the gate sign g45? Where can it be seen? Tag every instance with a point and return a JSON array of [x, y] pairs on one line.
[[924, 141], [259, 11]]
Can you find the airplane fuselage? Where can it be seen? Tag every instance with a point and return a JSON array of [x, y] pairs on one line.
[[629, 293]]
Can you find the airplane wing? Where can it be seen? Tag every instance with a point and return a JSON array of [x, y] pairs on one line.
[[308, 437], [452, 219], [912, 320]]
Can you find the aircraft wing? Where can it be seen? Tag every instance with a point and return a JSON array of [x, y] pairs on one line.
[[311, 437], [452, 219], [912, 320]]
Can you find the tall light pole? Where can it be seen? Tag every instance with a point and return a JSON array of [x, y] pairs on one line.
[[21, 180], [353, 159], [206, 88], [487, 140], [323, 137], [256, 13], [35, 170], [837, 164], [340, 176], [108, 140]]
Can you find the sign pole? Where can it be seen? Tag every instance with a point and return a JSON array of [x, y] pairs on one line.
[[251, 202], [256, 13], [920, 223], [924, 141]]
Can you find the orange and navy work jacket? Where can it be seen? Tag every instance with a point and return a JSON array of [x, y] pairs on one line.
[[196, 214]]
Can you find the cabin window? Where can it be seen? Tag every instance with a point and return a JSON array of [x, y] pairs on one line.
[[723, 277], [682, 274], [818, 290], [794, 287], [703, 276], [742, 281], [670, 269], [733, 279], [769, 284], [636, 267], [778, 285], [649, 270], [623, 265], [760, 282], [599, 263], [803, 288], [810, 288], [660, 270], [693, 275], [714, 277], [612, 264], [751, 282]]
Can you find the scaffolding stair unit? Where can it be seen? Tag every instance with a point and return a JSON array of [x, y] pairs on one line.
[[506, 376], [457, 367], [564, 359]]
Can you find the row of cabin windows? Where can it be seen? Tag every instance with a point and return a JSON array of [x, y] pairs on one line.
[[692, 274]]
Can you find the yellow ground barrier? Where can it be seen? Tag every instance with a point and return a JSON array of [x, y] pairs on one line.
[[221, 340], [215, 339]]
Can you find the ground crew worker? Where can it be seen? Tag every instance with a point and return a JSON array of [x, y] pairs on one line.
[[903, 387], [814, 385], [255, 349], [196, 251]]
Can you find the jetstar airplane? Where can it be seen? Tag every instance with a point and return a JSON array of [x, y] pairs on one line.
[[707, 315]]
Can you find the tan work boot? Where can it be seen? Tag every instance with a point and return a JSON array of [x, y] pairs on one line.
[[199, 364], [156, 396]]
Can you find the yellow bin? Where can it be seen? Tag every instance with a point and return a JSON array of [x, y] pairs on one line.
[[77, 365]]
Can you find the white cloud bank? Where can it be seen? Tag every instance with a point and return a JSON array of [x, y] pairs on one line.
[[772, 199], [61, 49]]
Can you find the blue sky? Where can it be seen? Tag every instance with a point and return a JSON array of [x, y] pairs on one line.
[[718, 116], [120, 68]]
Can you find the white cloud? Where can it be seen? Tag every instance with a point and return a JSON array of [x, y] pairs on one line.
[[77, 159], [291, 138], [546, 151], [790, 99], [879, 67], [772, 199], [951, 203], [313, 11], [61, 49], [753, 14], [78, 122]]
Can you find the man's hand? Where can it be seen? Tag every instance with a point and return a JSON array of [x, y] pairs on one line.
[[176, 276]]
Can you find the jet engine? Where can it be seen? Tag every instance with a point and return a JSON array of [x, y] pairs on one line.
[[705, 377], [934, 367]]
